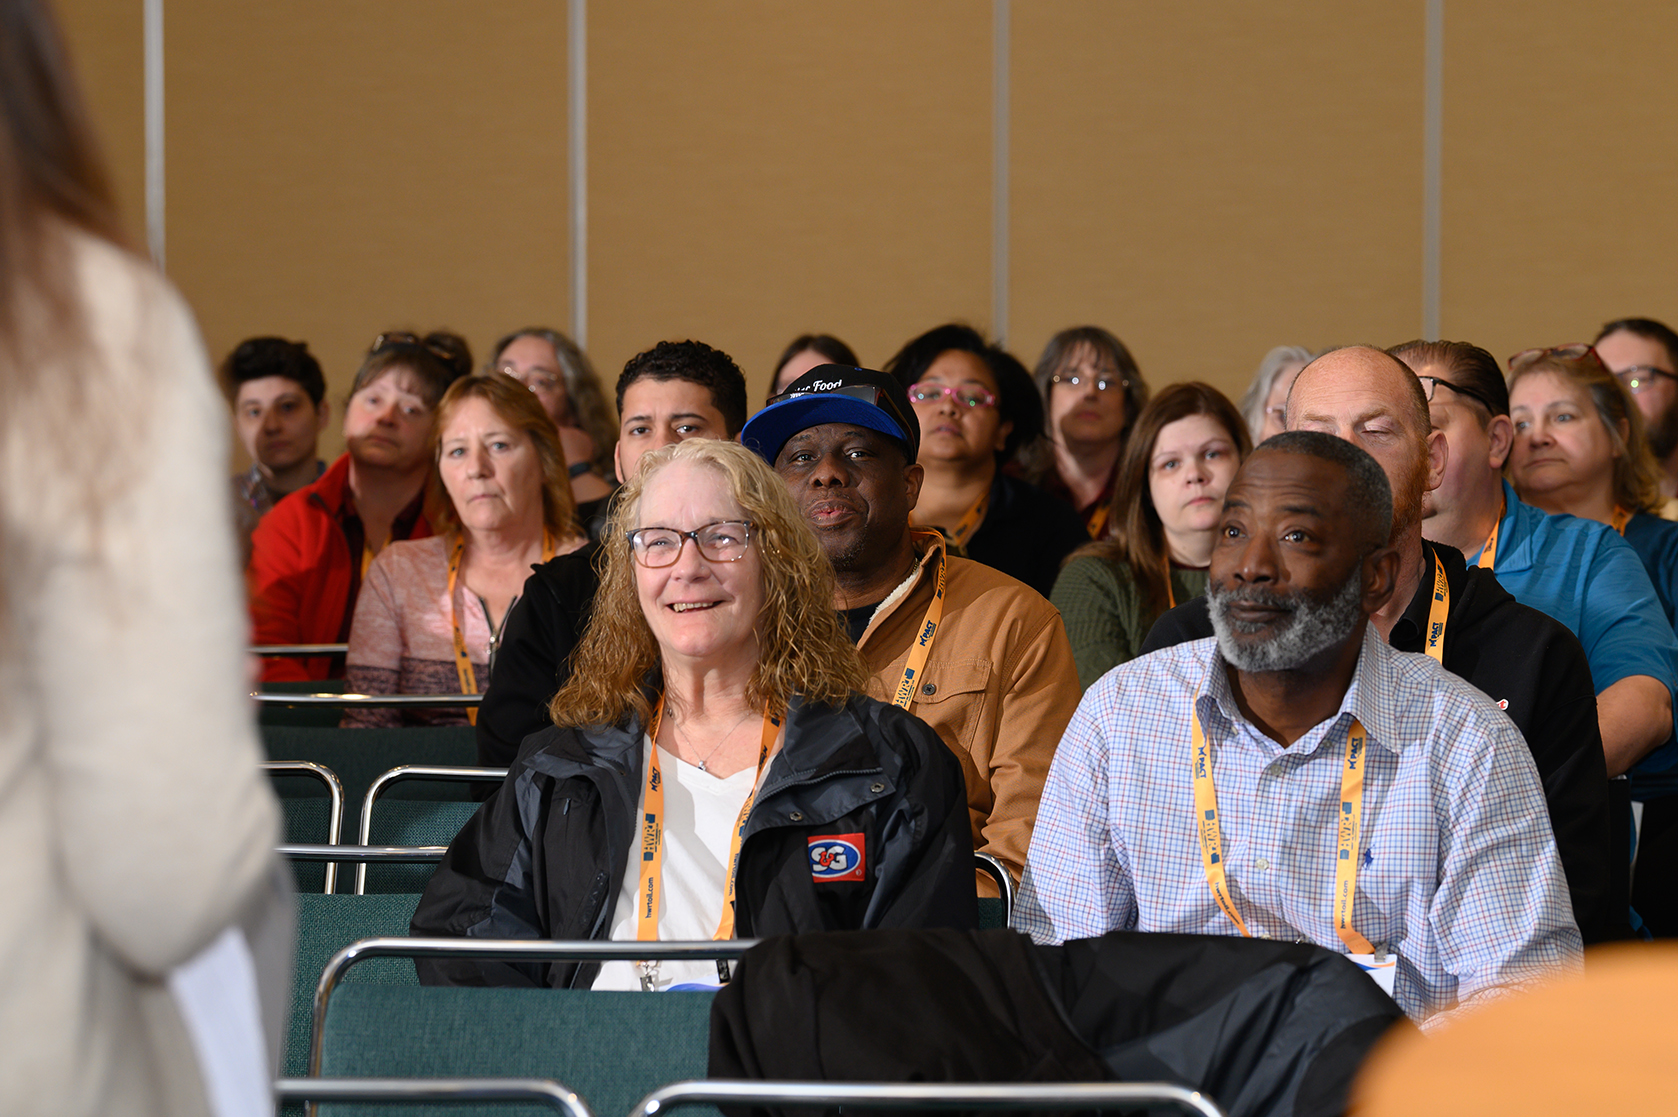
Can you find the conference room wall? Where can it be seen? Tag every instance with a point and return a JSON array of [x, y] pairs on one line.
[[1560, 165], [1206, 188]]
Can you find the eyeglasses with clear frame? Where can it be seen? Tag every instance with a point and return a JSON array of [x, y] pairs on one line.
[[1571, 351], [1102, 383], [721, 541], [968, 395], [1640, 378]]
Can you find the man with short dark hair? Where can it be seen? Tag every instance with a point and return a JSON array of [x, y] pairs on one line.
[[1643, 353], [977, 655], [1529, 664], [1295, 777], [672, 392], [278, 395]]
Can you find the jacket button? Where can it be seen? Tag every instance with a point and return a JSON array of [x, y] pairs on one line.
[[929, 689], [796, 816], [876, 788]]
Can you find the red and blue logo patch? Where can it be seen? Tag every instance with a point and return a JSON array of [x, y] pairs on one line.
[[838, 857]]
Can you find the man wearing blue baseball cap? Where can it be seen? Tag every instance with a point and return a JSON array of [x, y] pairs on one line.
[[980, 657]]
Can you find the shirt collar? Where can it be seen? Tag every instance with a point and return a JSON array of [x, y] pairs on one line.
[[1370, 699]]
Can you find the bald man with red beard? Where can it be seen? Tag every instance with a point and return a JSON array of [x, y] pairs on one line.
[[1528, 663]]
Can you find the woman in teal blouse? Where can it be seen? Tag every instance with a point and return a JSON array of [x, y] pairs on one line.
[[1180, 458]]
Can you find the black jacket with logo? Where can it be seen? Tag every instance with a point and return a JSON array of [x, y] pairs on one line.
[[1533, 667], [545, 856]]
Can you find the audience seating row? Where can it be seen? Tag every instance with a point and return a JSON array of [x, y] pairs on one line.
[[622, 1052]]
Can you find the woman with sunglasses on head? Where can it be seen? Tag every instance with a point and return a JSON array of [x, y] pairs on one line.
[[1188, 442], [1092, 393], [977, 406], [311, 553], [553, 367], [712, 750], [1580, 448], [432, 611]]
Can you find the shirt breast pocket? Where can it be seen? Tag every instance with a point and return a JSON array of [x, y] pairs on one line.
[[952, 697]]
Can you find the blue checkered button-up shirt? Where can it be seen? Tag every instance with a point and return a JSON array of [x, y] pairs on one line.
[[1459, 872]]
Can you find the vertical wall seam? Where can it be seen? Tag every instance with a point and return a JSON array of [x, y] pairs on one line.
[[999, 167], [1433, 143], [152, 17], [578, 111]]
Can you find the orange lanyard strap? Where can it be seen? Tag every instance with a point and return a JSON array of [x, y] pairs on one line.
[[1347, 841], [463, 661], [1488, 553], [1170, 594], [652, 834], [971, 520], [922, 648], [1438, 613], [1098, 521], [1622, 517]]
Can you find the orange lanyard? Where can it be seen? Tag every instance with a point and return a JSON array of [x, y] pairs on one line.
[[652, 835], [1438, 614], [1488, 553], [1170, 594], [463, 661], [1622, 517], [971, 520], [1098, 522], [1347, 841], [918, 654]]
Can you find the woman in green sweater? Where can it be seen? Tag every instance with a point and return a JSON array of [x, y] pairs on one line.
[[1180, 458]]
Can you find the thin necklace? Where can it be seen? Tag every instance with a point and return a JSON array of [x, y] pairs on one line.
[[719, 744]]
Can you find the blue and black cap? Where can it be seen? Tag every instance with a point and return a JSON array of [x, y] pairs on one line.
[[834, 394]]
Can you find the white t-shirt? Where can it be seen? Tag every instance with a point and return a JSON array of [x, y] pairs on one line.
[[699, 814]]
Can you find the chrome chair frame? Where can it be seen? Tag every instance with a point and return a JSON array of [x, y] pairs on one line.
[[454, 774], [522, 950], [459, 1091], [335, 808], [1004, 881], [925, 1095]]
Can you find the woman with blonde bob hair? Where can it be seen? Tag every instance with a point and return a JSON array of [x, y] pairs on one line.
[[432, 610], [1580, 448], [713, 770]]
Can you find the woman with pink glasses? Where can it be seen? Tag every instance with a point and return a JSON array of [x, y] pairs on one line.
[[977, 406]]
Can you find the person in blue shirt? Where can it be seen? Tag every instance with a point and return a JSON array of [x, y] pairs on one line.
[[1576, 570]]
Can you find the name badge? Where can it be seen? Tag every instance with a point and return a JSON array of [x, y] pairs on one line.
[[1383, 972]]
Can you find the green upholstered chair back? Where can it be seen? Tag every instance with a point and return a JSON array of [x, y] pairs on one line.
[[611, 1048], [327, 924]]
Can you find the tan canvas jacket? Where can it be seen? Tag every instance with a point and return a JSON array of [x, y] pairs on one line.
[[998, 688]]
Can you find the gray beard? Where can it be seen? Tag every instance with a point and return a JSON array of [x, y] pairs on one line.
[[1315, 626]]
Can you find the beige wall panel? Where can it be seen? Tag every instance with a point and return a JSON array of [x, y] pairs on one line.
[[757, 170], [1212, 182], [1560, 170], [340, 169], [106, 42]]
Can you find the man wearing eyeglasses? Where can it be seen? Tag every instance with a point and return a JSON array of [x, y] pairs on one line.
[[1530, 664], [977, 655], [1643, 354]]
